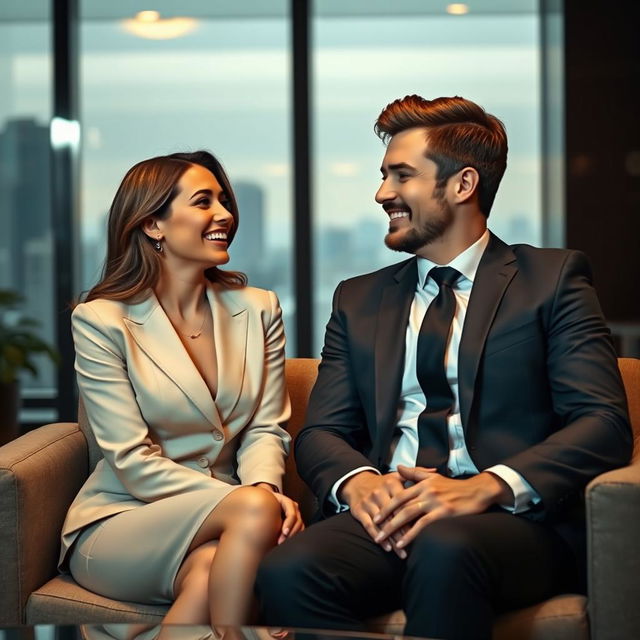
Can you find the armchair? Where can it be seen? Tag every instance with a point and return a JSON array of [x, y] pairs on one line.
[[41, 472]]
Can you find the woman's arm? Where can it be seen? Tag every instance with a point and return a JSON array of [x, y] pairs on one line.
[[265, 443]]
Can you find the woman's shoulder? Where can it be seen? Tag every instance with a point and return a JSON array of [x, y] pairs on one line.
[[102, 310], [100, 305]]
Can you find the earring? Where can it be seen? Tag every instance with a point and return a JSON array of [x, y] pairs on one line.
[[158, 245]]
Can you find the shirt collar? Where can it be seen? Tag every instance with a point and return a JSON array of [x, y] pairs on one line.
[[466, 262]]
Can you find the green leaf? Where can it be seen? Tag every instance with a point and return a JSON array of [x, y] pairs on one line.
[[19, 339], [10, 299]]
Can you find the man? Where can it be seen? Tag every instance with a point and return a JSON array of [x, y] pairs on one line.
[[465, 398]]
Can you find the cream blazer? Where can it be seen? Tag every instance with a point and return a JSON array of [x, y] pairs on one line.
[[153, 416]]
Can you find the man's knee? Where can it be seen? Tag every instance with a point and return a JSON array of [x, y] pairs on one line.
[[283, 566], [443, 550]]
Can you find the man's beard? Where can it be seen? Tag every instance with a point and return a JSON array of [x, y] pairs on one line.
[[413, 239]]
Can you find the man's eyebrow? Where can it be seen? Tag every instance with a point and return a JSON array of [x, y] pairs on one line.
[[398, 166], [206, 192], [401, 165]]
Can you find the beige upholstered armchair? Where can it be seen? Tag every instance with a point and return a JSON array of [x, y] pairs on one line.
[[41, 472]]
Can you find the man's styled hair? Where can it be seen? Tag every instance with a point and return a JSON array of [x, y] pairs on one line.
[[460, 134]]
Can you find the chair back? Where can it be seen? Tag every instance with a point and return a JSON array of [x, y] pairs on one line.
[[301, 374], [630, 370]]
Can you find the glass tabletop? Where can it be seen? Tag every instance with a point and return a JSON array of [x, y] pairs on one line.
[[137, 631]]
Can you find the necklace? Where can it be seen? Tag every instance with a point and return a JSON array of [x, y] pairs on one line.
[[198, 333]]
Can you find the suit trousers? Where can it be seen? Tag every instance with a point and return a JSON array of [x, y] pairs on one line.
[[459, 572]]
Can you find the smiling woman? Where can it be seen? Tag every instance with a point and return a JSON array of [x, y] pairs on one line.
[[145, 199], [199, 222], [180, 369]]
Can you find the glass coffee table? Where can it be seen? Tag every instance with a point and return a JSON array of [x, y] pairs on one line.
[[107, 631]]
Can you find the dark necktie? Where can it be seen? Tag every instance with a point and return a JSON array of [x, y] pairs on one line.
[[433, 438]]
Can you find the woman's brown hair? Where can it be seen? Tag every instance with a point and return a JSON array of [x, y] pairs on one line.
[[132, 266]]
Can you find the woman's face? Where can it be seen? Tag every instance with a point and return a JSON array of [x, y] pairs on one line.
[[198, 225]]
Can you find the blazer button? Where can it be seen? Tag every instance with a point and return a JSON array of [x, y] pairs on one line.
[[203, 462], [217, 434]]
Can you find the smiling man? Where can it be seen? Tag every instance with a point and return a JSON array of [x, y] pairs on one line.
[[465, 398]]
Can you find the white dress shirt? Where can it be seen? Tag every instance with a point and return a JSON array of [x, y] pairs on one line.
[[404, 447]]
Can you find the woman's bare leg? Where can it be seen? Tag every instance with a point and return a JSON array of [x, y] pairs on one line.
[[215, 582], [252, 529], [191, 605]]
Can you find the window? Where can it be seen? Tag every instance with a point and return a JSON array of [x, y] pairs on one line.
[[223, 85], [26, 243], [367, 55]]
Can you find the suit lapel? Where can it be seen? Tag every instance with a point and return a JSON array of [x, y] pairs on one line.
[[154, 334], [390, 342], [495, 271], [230, 323]]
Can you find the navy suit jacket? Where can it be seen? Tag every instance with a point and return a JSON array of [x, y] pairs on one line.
[[539, 385]]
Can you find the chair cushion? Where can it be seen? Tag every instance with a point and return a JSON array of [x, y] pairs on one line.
[[63, 601], [561, 618]]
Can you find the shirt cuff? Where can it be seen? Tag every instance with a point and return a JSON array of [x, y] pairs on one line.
[[524, 494], [333, 496]]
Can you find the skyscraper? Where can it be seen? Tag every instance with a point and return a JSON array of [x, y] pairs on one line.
[[26, 251]]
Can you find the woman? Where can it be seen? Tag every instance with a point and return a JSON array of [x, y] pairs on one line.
[[180, 368]]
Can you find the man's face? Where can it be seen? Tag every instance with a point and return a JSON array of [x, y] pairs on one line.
[[418, 212]]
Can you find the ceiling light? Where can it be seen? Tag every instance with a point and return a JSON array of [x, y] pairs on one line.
[[149, 24], [457, 9], [147, 16]]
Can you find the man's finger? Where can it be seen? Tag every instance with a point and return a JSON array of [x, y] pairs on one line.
[[395, 538], [415, 474], [420, 524], [414, 530], [365, 520], [403, 517], [397, 503]]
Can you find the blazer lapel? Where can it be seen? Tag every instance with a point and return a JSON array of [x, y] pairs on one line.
[[495, 271], [390, 342], [154, 334], [230, 324]]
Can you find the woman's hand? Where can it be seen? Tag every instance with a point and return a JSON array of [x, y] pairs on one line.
[[292, 520]]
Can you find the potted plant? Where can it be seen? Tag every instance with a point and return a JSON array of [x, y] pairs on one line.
[[18, 344]]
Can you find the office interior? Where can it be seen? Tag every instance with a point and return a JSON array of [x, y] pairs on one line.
[[285, 93]]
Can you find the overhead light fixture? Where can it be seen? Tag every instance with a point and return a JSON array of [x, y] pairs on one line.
[[148, 16], [457, 9], [150, 25]]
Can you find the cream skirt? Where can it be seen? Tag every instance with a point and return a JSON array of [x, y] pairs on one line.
[[135, 555]]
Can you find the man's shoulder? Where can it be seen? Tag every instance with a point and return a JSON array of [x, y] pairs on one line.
[[547, 258], [529, 256], [529, 252]]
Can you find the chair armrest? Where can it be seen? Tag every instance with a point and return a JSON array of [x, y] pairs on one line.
[[613, 538], [40, 474]]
